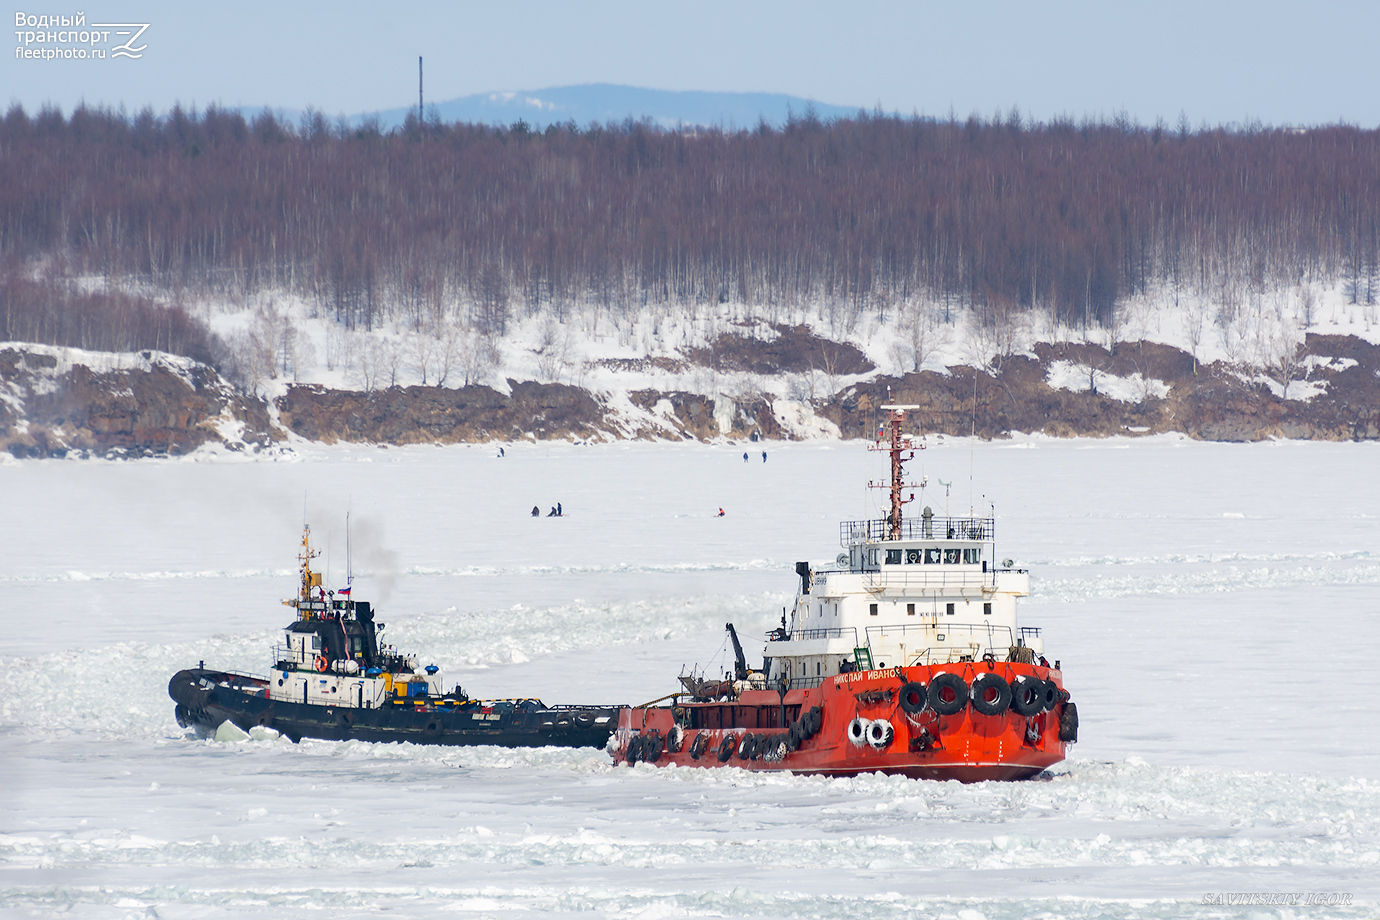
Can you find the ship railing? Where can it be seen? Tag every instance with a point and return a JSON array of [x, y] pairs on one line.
[[238, 680], [930, 577], [291, 655], [805, 683], [945, 640], [1028, 631], [834, 633], [875, 530]]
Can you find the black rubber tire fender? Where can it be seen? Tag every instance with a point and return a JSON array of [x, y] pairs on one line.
[[634, 751], [746, 746], [653, 746], [957, 689], [1028, 696], [1052, 696], [914, 697], [727, 747], [698, 745], [1068, 723], [991, 694]]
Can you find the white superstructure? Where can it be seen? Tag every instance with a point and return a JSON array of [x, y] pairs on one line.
[[905, 592]]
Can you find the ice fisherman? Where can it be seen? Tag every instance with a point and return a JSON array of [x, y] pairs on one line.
[[536, 512], [745, 457]]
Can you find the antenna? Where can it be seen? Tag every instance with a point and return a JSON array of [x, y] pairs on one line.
[[972, 445], [419, 92], [349, 556]]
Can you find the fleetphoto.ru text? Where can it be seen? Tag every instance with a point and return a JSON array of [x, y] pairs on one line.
[[70, 38]]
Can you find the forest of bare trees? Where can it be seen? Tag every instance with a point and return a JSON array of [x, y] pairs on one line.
[[440, 228]]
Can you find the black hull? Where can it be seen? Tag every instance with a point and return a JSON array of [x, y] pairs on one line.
[[207, 708]]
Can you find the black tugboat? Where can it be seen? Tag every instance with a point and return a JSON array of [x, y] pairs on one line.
[[335, 680]]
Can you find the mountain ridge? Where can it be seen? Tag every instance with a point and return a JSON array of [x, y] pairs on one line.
[[599, 103]]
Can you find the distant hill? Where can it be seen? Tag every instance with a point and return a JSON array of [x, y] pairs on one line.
[[604, 102]]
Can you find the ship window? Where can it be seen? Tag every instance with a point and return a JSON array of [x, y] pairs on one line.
[[910, 610], [933, 555], [872, 557], [987, 608], [949, 609], [951, 557], [893, 557], [972, 555], [872, 609], [316, 642], [912, 556]]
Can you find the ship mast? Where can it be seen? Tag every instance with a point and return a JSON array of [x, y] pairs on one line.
[[897, 447], [310, 579]]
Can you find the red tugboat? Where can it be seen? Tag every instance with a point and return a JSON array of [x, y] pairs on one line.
[[906, 658]]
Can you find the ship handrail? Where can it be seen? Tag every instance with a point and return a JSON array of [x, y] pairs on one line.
[[835, 632], [875, 530], [985, 630], [930, 577]]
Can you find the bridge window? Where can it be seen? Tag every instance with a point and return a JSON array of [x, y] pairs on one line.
[[912, 556], [893, 557], [951, 556], [972, 555], [933, 555]]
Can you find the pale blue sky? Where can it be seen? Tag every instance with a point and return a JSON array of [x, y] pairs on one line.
[[1283, 63]]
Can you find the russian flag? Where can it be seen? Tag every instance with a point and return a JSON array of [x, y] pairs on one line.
[[344, 591]]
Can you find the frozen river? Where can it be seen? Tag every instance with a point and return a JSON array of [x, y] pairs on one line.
[[1214, 607]]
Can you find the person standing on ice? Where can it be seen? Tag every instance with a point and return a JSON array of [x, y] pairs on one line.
[[559, 511], [764, 456], [745, 457]]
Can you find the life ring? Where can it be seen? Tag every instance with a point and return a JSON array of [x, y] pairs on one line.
[[947, 694], [1028, 696], [321, 663], [914, 698], [879, 734], [991, 694], [726, 748], [857, 730]]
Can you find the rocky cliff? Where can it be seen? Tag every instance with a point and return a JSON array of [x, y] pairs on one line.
[[53, 401], [56, 400]]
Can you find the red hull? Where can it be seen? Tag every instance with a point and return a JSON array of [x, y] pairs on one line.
[[967, 746]]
